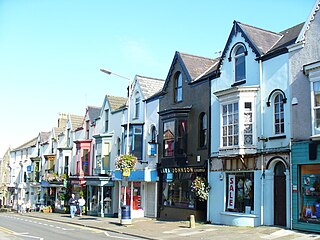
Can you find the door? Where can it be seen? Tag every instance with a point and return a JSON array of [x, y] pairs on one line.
[[280, 195]]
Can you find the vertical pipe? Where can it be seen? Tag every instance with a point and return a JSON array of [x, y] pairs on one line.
[[262, 134]]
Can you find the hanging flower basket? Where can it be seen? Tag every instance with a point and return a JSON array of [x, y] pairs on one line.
[[200, 188], [126, 161]]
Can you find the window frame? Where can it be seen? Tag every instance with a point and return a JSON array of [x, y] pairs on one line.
[[132, 140], [225, 128], [137, 105], [178, 93], [239, 64], [203, 130], [278, 113]]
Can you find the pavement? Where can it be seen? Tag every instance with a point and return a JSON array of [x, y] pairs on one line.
[[149, 228]]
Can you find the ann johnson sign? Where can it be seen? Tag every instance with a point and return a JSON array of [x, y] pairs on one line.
[[182, 170], [231, 191]]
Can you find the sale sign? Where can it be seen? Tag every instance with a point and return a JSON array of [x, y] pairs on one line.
[[231, 191]]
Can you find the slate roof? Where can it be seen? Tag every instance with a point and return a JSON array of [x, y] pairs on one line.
[[58, 131], [76, 121], [263, 39], [116, 102], [149, 86], [31, 143], [93, 113], [289, 36], [44, 136], [196, 65]]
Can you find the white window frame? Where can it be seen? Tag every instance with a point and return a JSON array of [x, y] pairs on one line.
[[278, 113], [236, 57]]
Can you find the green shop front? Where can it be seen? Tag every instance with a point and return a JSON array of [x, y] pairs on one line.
[[306, 186]]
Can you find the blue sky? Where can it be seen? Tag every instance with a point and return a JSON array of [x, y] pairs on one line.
[[51, 51]]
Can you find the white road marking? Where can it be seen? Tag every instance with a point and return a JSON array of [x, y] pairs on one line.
[[196, 232]]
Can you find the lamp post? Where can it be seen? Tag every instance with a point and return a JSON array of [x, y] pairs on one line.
[[129, 97]]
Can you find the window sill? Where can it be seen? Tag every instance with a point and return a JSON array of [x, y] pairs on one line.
[[238, 83], [237, 214], [277, 137]]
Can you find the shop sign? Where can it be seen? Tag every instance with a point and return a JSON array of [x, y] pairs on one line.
[[126, 172], [231, 191], [182, 170], [29, 169]]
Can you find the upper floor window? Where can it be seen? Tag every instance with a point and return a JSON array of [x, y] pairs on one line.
[[153, 134], [106, 125], [278, 114], [137, 106], [248, 138], [178, 87], [230, 124], [175, 138], [68, 138], [203, 129], [87, 129], [118, 146], [316, 105], [135, 140], [240, 64], [168, 139]]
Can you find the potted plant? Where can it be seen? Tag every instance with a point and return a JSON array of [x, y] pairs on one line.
[[201, 188], [126, 161]]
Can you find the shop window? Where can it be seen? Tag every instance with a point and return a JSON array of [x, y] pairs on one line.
[[177, 190], [230, 124], [240, 192], [309, 194]]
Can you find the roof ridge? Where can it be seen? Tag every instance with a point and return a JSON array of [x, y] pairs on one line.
[[258, 28], [192, 55], [150, 77]]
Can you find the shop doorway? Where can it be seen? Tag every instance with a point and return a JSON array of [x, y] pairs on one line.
[[280, 195]]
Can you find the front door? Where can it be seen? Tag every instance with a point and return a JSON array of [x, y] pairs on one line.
[[280, 195]]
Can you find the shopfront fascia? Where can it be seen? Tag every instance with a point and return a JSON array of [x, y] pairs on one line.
[[176, 200], [139, 191], [306, 186], [100, 197]]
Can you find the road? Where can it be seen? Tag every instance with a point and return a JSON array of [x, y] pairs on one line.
[[19, 227]]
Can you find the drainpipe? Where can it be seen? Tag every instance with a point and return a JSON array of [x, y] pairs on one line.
[[263, 143]]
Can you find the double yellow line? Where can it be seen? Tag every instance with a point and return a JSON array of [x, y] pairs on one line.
[[6, 230]]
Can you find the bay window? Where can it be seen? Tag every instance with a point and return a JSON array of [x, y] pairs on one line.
[[230, 124], [135, 140]]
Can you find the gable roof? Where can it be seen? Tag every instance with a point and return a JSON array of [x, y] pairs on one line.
[[149, 86], [306, 25], [116, 103], [30, 143], [194, 67], [76, 121], [93, 113], [44, 136], [57, 130]]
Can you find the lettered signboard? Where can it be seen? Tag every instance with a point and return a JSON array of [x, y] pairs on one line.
[[231, 191]]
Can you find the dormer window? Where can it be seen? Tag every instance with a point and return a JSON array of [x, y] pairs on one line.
[[240, 64], [178, 87]]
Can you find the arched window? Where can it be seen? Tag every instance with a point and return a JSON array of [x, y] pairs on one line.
[[240, 64], [153, 134], [203, 129], [178, 87], [278, 114], [137, 105]]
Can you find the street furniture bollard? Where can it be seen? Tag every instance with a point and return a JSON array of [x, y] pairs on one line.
[[192, 223]]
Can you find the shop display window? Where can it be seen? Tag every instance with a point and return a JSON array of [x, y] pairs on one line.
[[177, 190], [240, 192], [310, 193]]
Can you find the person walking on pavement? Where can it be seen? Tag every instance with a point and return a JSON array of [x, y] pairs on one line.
[[81, 203], [73, 205]]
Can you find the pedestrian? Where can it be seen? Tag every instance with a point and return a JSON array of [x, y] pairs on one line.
[[81, 203], [73, 205], [28, 206]]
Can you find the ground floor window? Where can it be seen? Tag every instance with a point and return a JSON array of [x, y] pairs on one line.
[[240, 192], [310, 193], [176, 190]]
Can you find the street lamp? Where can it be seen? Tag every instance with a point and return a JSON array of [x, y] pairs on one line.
[[129, 97]]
